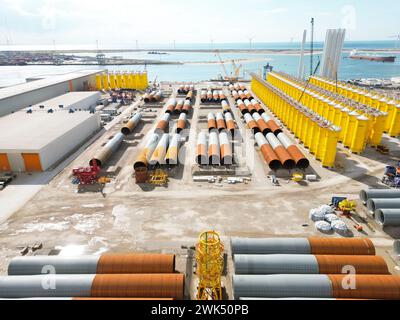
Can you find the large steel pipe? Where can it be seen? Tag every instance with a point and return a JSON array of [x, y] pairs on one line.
[[250, 106], [214, 152], [261, 124], [181, 122], [171, 105], [131, 124], [307, 264], [268, 153], [105, 153], [225, 106], [212, 124], [145, 155], [375, 204], [242, 107], [187, 106], [230, 123], [159, 153], [104, 286], [173, 150], [258, 106], [282, 286], [319, 246], [100, 264], [271, 124], [226, 148], [179, 106], [162, 125], [283, 155], [148, 97], [220, 122], [378, 194], [316, 286], [251, 124], [203, 96], [300, 159], [388, 217], [201, 149]]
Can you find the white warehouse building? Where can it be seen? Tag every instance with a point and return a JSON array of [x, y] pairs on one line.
[[40, 140], [23, 95]]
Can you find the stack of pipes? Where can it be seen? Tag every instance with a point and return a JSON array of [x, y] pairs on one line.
[[212, 95], [126, 81], [384, 103], [185, 89], [363, 125], [141, 276], [112, 145], [153, 96], [217, 151], [159, 150], [383, 204], [298, 268], [317, 133]]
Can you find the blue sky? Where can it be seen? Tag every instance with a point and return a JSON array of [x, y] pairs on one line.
[[191, 21]]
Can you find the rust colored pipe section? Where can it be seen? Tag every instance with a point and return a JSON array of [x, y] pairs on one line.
[[230, 123], [338, 246], [220, 122], [226, 149], [284, 156], [171, 106], [250, 106], [271, 124], [162, 125], [242, 107], [181, 123], [212, 124], [367, 287], [251, 124], [201, 149], [258, 106], [334, 264], [135, 263], [298, 156], [187, 106], [261, 124], [179, 107], [139, 286], [268, 153]]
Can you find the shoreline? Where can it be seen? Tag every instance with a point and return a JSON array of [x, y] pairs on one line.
[[248, 51]]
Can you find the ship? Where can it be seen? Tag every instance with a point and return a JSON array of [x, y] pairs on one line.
[[370, 57]]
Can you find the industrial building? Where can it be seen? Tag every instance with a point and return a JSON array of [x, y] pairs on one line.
[[35, 141], [24, 95], [79, 100]]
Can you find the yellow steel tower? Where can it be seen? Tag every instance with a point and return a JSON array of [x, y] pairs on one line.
[[210, 264]]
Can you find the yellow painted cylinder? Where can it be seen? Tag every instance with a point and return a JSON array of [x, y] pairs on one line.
[[359, 138], [377, 130], [99, 84], [350, 128], [106, 85], [394, 130], [113, 84]]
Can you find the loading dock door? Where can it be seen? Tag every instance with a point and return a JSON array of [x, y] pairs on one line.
[[4, 164], [32, 162]]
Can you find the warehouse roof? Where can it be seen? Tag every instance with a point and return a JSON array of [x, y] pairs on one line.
[[76, 99], [39, 84], [24, 131]]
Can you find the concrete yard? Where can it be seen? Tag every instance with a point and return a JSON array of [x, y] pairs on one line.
[[127, 217]]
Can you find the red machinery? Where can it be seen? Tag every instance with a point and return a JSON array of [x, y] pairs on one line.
[[87, 175]]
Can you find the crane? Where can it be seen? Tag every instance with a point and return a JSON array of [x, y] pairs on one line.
[[236, 69]]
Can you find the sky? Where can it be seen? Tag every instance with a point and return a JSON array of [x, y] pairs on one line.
[[191, 21]]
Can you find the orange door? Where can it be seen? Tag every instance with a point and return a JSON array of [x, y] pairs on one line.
[[4, 164], [32, 162]]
